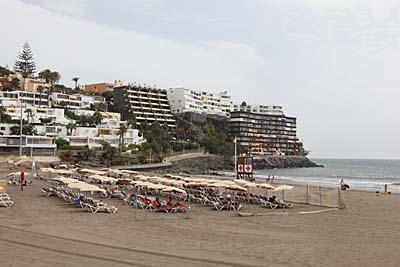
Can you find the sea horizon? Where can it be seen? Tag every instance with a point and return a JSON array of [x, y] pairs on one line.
[[360, 174]]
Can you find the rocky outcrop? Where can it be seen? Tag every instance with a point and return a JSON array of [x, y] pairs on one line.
[[214, 163], [283, 162]]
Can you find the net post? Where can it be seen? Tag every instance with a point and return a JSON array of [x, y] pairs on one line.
[[307, 193], [320, 197]]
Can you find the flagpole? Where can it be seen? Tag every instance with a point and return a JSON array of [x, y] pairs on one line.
[[236, 158]]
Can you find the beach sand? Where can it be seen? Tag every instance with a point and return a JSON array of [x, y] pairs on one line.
[[40, 231]]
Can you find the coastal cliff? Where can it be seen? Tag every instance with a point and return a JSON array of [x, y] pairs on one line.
[[214, 163]]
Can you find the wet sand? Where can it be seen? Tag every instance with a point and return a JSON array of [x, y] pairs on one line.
[[40, 231]]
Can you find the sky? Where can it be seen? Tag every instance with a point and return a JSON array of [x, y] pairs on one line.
[[332, 64]]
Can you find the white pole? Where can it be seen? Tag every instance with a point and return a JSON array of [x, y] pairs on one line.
[[20, 129], [236, 157], [150, 155]]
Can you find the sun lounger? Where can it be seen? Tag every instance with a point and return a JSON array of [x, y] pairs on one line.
[[180, 208], [6, 203], [166, 208], [104, 207], [4, 197], [217, 205], [267, 204]]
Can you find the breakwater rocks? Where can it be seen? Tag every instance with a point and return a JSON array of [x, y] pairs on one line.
[[214, 163], [283, 162]]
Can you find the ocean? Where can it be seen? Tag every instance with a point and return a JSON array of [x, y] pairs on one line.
[[364, 174]]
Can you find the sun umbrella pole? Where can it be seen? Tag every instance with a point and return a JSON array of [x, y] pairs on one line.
[[188, 205], [236, 176], [136, 203]]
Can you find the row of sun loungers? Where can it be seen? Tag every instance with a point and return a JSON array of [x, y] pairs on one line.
[[226, 205], [5, 200], [154, 204], [80, 200], [263, 201]]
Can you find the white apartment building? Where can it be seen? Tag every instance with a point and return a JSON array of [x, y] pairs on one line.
[[95, 137], [88, 100], [259, 109], [30, 144], [36, 115], [14, 99], [184, 100], [75, 101]]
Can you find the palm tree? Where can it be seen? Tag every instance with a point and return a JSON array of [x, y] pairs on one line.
[[70, 127], [121, 133], [97, 118], [76, 79], [29, 114]]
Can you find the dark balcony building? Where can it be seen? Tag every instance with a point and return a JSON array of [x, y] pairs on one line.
[[265, 134], [143, 104]]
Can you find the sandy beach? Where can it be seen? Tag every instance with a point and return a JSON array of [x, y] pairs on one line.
[[40, 231]]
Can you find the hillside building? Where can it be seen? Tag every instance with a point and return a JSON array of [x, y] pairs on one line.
[[100, 88], [265, 134], [74, 101], [14, 99], [183, 100], [260, 109], [143, 104], [10, 144]]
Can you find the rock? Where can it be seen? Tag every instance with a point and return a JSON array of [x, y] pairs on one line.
[[215, 163]]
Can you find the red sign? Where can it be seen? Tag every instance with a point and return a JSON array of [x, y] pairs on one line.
[[240, 168], [248, 168]]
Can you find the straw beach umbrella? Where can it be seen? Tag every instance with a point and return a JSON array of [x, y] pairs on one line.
[[283, 188]]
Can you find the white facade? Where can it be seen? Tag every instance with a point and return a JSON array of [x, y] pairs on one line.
[[38, 114], [184, 100], [75, 101], [69, 101], [14, 99], [88, 100], [260, 109], [30, 144], [95, 137]]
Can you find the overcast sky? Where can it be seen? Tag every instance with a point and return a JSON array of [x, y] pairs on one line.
[[333, 64]]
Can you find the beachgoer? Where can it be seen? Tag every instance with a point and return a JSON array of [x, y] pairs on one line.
[[273, 178], [281, 203], [386, 189], [343, 185]]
